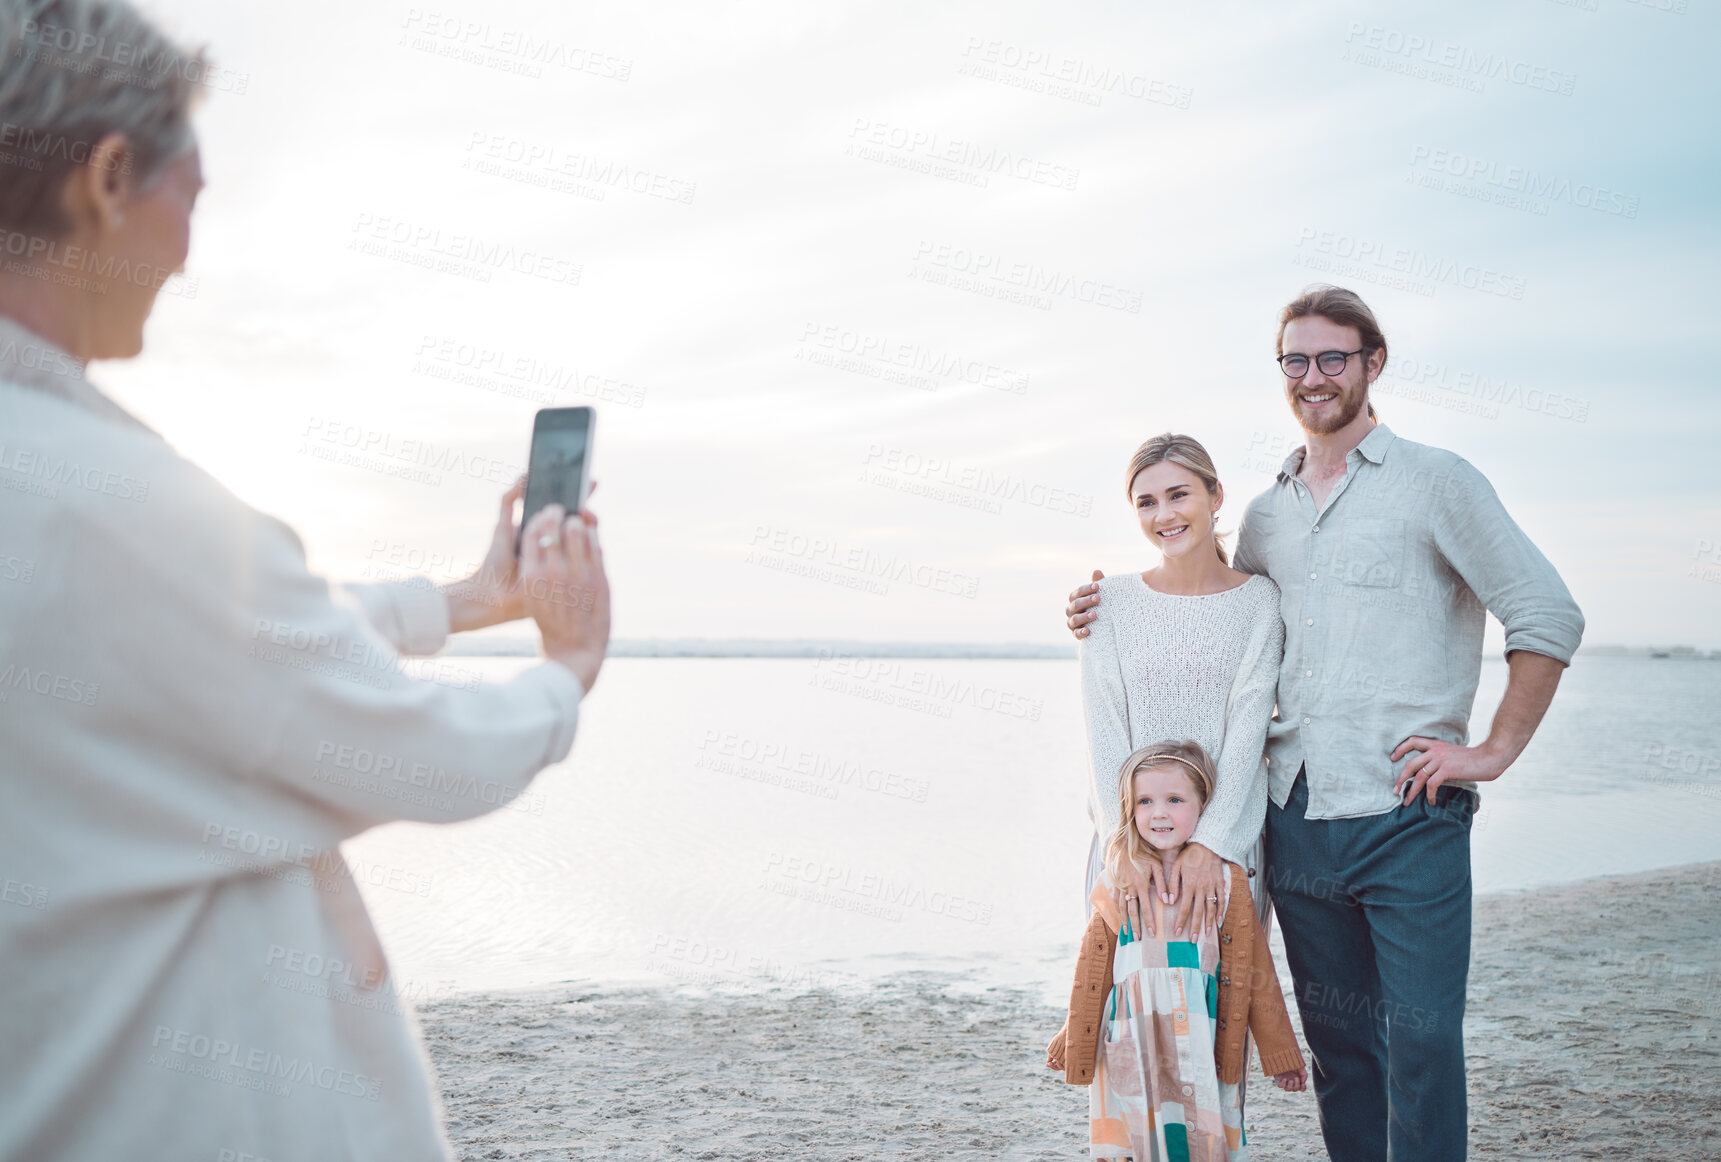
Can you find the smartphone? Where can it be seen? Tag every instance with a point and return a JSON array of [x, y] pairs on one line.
[[559, 467]]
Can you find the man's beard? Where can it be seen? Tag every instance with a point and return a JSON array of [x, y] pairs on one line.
[[1325, 421]]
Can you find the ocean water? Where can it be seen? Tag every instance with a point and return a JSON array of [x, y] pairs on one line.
[[737, 822]]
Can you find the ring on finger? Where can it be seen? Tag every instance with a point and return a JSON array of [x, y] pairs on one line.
[[548, 540]]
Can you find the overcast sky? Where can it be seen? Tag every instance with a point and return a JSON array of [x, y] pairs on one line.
[[902, 288]]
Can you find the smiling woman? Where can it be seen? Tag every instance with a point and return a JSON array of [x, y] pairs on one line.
[[1175, 488], [1189, 649]]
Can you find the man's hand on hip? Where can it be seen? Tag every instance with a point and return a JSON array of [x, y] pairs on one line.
[[1531, 681], [1440, 762]]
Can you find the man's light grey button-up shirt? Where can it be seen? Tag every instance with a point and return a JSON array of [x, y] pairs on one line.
[[1383, 592]]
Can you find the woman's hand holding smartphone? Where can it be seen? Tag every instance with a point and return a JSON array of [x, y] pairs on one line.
[[565, 590], [551, 567], [492, 595], [560, 462]]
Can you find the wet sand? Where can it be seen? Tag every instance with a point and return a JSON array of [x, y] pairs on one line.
[[1591, 1033]]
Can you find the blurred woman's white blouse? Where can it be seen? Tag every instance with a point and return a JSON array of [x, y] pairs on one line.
[[190, 723]]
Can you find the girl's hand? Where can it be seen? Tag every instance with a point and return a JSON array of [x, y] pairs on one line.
[[1055, 1047], [1295, 1081], [1198, 881]]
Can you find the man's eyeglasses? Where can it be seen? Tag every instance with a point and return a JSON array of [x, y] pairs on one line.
[[1330, 363]]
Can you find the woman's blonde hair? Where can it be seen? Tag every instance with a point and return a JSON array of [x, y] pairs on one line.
[[1126, 845], [1185, 452]]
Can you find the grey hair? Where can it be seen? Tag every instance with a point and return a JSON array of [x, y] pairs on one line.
[[71, 73]]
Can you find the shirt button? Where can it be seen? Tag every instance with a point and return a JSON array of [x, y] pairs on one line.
[[1312, 576], [1308, 673], [1311, 621], [1305, 720], [1316, 529]]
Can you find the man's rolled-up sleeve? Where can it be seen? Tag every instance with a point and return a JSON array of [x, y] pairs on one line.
[[1503, 567]]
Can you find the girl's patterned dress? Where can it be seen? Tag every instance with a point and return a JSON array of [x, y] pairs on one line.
[[1156, 1094]]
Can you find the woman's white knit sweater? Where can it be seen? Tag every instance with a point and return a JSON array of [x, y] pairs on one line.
[[1158, 667]]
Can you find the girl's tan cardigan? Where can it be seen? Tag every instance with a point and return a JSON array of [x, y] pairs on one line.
[[1249, 996]]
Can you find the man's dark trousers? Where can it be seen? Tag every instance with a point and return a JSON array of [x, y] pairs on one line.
[[1376, 916]]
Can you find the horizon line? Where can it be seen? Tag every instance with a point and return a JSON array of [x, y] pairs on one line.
[[508, 645]]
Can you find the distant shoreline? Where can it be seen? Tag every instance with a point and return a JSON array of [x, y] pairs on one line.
[[767, 648], [520, 647]]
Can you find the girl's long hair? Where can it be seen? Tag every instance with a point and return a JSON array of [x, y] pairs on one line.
[[1127, 853]]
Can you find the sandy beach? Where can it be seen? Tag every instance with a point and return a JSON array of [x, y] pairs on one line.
[[1591, 1033]]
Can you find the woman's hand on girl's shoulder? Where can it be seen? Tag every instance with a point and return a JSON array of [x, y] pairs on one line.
[[1199, 881]]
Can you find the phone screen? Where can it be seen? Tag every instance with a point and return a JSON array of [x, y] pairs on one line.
[[560, 463]]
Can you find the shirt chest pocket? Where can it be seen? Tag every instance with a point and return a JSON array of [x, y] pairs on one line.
[[1371, 553]]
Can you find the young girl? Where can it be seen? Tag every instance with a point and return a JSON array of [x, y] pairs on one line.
[[1157, 1026]]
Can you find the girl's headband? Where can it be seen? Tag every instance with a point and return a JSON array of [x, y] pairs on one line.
[[1202, 779]]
